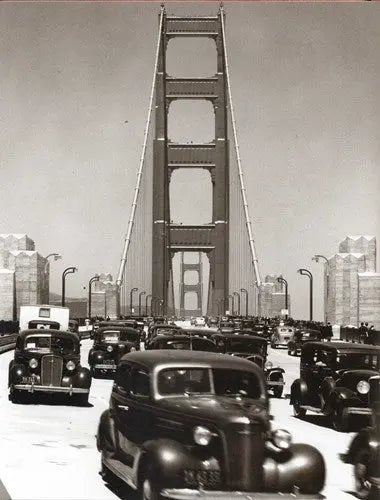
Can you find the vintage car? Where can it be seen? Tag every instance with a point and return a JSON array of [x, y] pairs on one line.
[[364, 450], [161, 329], [334, 381], [48, 361], [184, 425], [182, 342], [300, 337], [253, 349], [281, 336], [110, 344], [226, 327]]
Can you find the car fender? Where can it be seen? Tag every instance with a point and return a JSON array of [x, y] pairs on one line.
[[83, 377], [105, 437], [282, 471], [166, 459], [341, 395], [275, 374], [16, 372], [298, 390], [366, 438]]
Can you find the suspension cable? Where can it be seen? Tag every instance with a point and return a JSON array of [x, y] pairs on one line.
[[141, 165], [241, 177]]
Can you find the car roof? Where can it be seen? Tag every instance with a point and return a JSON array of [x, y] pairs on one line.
[[154, 358], [180, 336], [240, 336], [43, 331], [123, 329], [342, 346]]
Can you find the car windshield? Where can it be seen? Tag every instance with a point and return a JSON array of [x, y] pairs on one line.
[[226, 325], [47, 343], [165, 330], [240, 345], [219, 382], [357, 361], [114, 336]]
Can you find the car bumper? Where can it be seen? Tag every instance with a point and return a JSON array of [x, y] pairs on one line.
[[188, 494], [50, 388], [105, 367], [357, 410], [275, 382]]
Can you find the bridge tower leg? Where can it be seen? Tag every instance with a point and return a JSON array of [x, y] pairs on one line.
[[196, 287], [212, 238]]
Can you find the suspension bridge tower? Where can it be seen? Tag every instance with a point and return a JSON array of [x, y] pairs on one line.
[[212, 238]]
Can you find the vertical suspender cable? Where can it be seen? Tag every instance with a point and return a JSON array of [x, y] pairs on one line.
[[242, 187], [141, 165]]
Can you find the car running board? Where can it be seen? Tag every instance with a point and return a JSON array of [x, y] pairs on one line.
[[122, 471]]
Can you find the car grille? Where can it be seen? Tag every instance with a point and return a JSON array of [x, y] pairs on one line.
[[205, 479], [51, 370], [244, 456]]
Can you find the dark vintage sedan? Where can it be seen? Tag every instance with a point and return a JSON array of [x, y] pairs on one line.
[[185, 424], [301, 337], [364, 450], [48, 361], [110, 344], [182, 342], [253, 349], [334, 381], [161, 329]]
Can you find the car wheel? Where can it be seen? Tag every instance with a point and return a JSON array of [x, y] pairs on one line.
[[17, 397], [148, 491], [340, 421], [362, 482], [297, 410], [277, 391]]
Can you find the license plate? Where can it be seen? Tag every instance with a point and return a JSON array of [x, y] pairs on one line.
[[108, 362], [27, 380]]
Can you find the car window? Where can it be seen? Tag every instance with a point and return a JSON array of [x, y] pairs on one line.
[[173, 381], [111, 336], [236, 383], [139, 383], [47, 344], [356, 361], [122, 377]]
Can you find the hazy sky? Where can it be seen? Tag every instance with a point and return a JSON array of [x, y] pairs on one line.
[[305, 80]]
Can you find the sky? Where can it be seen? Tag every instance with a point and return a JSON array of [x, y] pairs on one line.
[[74, 92]]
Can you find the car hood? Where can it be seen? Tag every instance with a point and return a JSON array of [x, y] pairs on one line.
[[350, 378], [220, 410]]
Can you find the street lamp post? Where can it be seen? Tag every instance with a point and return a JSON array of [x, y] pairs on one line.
[[231, 309], [317, 258], [147, 297], [161, 308], [47, 289], [134, 289], [67, 271], [284, 282], [306, 272], [237, 294], [246, 300], [140, 295], [94, 278]]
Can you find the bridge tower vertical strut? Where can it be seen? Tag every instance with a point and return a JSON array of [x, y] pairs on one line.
[[196, 288], [169, 238]]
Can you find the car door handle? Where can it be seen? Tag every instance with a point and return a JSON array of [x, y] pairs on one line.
[[123, 407]]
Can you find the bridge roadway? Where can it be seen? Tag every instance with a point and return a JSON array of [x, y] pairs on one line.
[[48, 451]]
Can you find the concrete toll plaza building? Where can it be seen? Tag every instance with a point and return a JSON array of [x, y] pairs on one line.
[[24, 275]]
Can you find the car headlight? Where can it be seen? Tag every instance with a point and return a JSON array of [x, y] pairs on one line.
[[363, 387], [202, 435], [282, 439], [268, 365], [33, 363], [109, 348], [70, 365]]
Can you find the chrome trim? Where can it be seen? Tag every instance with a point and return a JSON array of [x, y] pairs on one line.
[[357, 410], [105, 367], [275, 382], [50, 388], [188, 494]]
